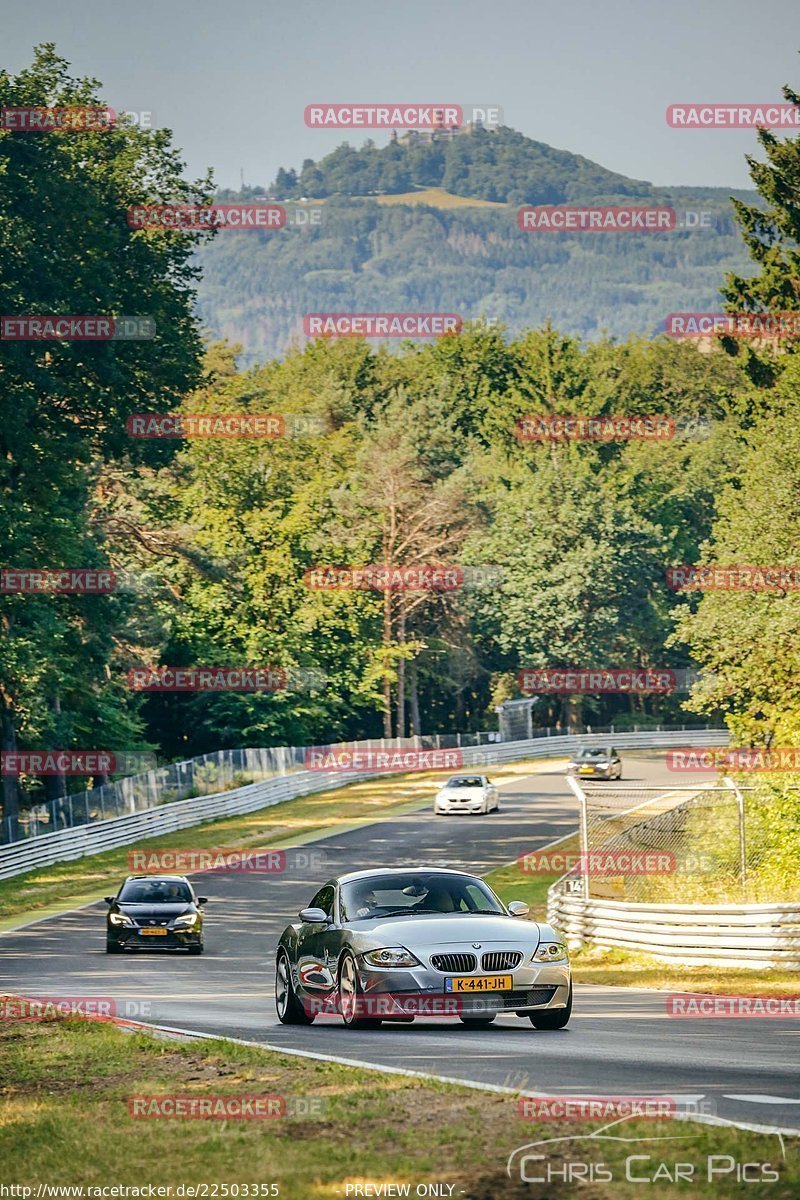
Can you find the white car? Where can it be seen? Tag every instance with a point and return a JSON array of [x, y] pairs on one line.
[[466, 794]]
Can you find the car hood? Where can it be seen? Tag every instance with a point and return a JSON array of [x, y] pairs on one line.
[[446, 930], [147, 912]]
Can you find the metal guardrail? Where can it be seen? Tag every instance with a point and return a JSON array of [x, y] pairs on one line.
[[583, 907], [727, 935], [66, 845]]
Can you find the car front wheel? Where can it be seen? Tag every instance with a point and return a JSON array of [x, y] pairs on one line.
[[351, 997], [552, 1018], [289, 1009]]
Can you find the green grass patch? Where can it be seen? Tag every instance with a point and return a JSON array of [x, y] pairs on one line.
[[593, 964], [65, 1120], [437, 197]]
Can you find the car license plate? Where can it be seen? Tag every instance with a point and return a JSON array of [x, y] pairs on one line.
[[152, 933], [587, 770], [479, 983]]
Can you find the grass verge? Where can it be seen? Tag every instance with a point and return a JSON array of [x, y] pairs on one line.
[[65, 1120]]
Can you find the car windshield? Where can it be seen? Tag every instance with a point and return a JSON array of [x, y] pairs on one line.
[[155, 891], [592, 754], [417, 892], [464, 781]]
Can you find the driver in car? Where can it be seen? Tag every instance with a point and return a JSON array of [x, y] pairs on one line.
[[369, 905]]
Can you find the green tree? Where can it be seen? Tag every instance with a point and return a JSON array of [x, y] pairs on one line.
[[66, 248]]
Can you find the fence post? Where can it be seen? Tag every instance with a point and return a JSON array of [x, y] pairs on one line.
[[742, 839], [579, 793]]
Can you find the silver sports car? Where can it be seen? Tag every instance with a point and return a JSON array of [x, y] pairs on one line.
[[391, 945]]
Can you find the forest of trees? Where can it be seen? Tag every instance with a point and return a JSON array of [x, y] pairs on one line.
[[255, 288], [408, 457], [360, 255]]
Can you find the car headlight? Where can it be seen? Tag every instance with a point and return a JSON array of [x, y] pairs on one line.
[[187, 919], [391, 956], [550, 952], [119, 919]]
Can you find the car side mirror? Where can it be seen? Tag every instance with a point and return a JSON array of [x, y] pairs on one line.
[[518, 908], [109, 899], [202, 899], [313, 916]]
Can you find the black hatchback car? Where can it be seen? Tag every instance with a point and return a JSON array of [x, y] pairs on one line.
[[155, 910]]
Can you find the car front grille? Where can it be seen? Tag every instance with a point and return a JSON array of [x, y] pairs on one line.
[[501, 960], [457, 963], [149, 923]]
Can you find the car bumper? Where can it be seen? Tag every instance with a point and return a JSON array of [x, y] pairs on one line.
[[451, 806], [421, 991], [174, 939]]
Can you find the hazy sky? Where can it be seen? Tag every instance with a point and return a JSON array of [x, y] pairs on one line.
[[232, 79]]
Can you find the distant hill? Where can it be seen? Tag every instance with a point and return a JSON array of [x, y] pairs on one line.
[[430, 225]]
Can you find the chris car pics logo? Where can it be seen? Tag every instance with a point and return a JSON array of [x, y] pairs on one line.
[[613, 1154]]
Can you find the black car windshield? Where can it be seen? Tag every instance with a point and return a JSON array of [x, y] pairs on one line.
[[155, 891], [417, 892], [592, 754], [465, 781]]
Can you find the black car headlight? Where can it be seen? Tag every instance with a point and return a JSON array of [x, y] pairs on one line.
[[550, 952], [391, 956], [184, 921], [120, 919]]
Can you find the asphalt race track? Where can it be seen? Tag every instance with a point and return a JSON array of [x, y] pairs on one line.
[[619, 1041]]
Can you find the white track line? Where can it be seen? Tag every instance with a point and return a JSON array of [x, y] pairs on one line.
[[468, 1083]]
